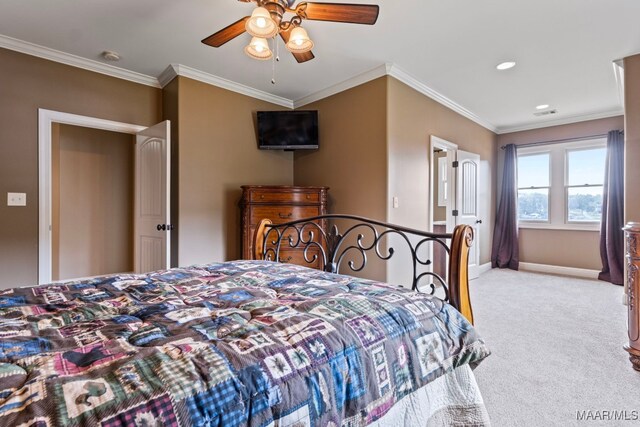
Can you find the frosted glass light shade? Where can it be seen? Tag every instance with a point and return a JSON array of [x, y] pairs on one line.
[[299, 41], [258, 49], [261, 24]]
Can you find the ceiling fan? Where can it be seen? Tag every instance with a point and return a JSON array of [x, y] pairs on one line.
[[268, 20]]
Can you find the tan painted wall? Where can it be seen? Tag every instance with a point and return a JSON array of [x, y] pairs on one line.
[[413, 118], [352, 159], [93, 204], [218, 152], [632, 138], [29, 83], [541, 246]]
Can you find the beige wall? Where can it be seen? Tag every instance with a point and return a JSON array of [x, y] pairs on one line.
[[413, 118], [92, 171], [352, 159], [29, 83], [541, 246], [218, 152], [374, 144], [632, 138]]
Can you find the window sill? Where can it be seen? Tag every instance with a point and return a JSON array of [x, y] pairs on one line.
[[569, 227]]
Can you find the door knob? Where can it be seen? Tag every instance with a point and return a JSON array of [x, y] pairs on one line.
[[479, 221], [161, 227]]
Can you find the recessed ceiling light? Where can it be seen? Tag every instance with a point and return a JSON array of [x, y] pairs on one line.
[[542, 106], [505, 65]]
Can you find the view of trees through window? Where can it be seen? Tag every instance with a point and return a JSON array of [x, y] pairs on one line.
[[583, 184], [585, 179], [533, 187]]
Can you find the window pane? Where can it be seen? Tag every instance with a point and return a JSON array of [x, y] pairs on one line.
[[585, 203], [533, 205], [533, 171], [586, 166]]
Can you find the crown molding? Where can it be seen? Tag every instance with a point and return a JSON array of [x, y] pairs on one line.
[[417, 85], [563, 121], [367, 76], [618, 71], [182, 70], [388, 69], [76, 61]]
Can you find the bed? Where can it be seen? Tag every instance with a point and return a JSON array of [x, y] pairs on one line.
[[251, 342]]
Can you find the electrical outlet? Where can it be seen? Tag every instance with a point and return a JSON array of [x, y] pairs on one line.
[[16, 199]]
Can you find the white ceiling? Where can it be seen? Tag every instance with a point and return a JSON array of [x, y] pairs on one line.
[[564, 48]]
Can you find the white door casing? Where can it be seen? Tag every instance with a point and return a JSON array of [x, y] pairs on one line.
[[46, 118], [152, 225], [468, 203]]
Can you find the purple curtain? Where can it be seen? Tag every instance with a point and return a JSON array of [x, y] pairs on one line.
[[505, 251], [611, 234]]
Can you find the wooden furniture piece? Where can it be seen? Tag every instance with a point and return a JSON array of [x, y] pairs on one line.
[[280, 204], [363, 236], [439, 252], [632, 232]]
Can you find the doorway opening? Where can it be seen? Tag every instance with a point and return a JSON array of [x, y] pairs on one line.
[[454, 198], [442, 197], [84, 163], [92, 195]]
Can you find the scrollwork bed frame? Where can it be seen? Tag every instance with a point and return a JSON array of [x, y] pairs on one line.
[[365, 236]]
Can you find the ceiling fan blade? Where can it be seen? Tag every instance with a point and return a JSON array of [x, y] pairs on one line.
[[300, 57], [226, 34], [339, 12]]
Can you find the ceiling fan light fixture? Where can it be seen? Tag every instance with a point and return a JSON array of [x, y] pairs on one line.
[[261, 24], [258, 49], [299, 41]]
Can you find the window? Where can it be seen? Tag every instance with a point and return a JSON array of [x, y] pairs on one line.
[[561, 185], [534, 183], [585, 180], [442, 181]]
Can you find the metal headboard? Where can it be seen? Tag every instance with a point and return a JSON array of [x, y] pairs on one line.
[[334, 249]]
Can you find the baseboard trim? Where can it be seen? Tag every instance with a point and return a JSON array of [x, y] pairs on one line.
[[483, 268], [559, 270]]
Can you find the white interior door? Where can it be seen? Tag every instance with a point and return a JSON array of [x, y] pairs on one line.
[[152, 238], [468, 203]]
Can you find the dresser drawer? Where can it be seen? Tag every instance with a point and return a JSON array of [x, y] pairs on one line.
[[286, 198], [296, 256], [280, 214]]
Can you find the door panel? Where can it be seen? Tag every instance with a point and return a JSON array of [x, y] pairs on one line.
[[152, 239], [467, 203]]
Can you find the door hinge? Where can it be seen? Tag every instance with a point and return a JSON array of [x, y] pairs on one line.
[[455, 212], [455, 164]]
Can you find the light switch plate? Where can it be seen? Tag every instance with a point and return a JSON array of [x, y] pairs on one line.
[[396, 203], [16, 199]]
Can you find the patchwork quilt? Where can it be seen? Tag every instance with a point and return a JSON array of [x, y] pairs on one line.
[[229, 344]]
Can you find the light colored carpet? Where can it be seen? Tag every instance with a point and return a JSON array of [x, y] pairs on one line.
[[557, 349]]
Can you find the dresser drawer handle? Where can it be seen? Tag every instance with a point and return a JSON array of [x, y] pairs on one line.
[[285, 260], [283, 216]]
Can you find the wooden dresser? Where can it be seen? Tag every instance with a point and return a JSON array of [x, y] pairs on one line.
[[279, 204]]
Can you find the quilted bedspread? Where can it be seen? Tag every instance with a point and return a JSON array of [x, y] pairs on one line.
[[228, 344]]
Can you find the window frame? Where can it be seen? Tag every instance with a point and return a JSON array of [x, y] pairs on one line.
[[567, 186], [558, 190], [528, 153]]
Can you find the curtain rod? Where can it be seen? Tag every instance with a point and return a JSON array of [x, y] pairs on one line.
[[554, 141]]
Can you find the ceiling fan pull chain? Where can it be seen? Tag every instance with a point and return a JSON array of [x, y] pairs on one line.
[[276, 58]]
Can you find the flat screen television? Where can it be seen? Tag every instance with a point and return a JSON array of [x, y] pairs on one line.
[[288, 130]]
